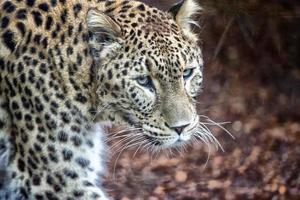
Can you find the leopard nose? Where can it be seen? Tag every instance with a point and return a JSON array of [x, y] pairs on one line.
[[179, 129]]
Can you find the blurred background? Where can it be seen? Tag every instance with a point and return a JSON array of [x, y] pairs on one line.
[[252, 79]]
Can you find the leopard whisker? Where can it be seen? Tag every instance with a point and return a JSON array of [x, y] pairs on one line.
[[184, 147], [133, 139], [218, 124], [203, 135], [125, 146], [198, 136], [209, 150], [206, 133], [138, 148], [125, 130], [211, 137], [179, 151], [110, 138], [130, 138]]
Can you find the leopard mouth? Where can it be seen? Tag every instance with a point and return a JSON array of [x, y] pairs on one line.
[[165, 143]]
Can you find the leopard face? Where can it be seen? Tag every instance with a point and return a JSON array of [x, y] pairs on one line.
[[149, 71]]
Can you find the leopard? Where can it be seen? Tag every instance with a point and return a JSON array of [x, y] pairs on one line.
[[70, 68]]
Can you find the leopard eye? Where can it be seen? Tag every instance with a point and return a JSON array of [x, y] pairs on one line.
[[145, 81], [187, 73]]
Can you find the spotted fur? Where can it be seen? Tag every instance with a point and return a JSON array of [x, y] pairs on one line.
[[66, 65]]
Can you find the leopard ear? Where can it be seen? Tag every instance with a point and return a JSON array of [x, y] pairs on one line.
[[105, 34], [182, 13]]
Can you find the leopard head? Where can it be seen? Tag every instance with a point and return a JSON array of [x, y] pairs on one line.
[[149, 69]]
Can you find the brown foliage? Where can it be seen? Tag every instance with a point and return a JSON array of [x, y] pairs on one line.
[[252, 78]]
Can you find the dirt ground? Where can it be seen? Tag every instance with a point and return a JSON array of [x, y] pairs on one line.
[[252, 79]]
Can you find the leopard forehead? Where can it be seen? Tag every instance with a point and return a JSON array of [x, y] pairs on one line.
[[153, 34], [136, 15], [155, 28]]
